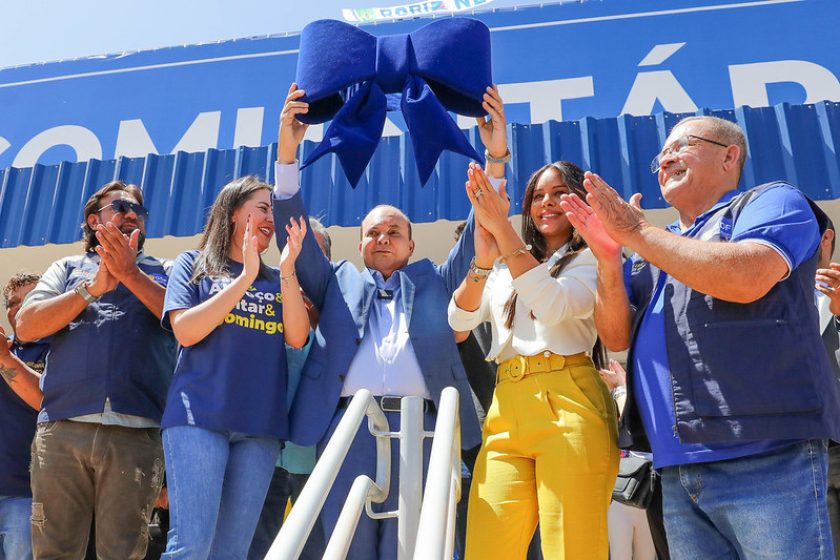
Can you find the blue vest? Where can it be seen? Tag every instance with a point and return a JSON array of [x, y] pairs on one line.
[[740, 372], [115, 348]]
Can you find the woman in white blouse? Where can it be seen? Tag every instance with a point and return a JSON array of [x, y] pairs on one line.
[[549, 451]]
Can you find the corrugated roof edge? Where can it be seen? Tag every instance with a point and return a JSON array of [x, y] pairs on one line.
[[43, 204]]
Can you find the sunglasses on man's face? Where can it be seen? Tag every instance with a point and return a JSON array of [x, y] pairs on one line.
[[124, 206]]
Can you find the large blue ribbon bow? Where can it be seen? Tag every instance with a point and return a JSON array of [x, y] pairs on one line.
[[348, 75]]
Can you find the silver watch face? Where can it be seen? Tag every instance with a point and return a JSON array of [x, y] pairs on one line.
[[81, 289]]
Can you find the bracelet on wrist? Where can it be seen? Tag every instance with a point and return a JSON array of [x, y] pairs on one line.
[[523, 249], [619, 391], [492, 159], [477, 272], [287, 278]]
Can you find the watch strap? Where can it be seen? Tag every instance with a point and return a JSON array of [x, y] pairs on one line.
[[478, 271], [82, 290]]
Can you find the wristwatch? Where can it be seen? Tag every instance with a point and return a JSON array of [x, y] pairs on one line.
[[618, 391], [478, 271], [82, 290]]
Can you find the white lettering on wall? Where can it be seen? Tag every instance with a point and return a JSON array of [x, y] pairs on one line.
[[315, 133], [83, 141], [133, 139], [660, 53], [749, 81], [662, 85], [202, 134], [249, 123], [545, 97]]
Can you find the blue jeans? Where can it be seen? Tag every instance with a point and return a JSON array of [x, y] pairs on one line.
[[217, 484], [766, 506], [15, 528]]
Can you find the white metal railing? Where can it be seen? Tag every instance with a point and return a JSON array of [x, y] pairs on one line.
[[436, 532], [444, 476], [411, 474], [296, 528]]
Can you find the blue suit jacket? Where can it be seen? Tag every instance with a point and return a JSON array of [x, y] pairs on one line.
[[344, 296]]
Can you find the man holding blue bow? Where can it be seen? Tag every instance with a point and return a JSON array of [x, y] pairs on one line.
[[382, 329]]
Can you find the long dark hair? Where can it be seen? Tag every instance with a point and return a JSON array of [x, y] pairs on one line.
[[218, 233], [572, 177]]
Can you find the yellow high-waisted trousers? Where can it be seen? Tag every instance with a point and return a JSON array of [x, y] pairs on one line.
[[548, 454]]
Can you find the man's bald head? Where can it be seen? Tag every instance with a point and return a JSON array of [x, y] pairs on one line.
[[386, 244], [390, 208]]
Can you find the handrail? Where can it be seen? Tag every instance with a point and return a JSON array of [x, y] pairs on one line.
[[411, 475], [435, 534], [348, 519], [295, 530], [423, 532]]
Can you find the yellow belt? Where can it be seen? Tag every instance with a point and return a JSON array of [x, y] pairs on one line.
[[518, 367]]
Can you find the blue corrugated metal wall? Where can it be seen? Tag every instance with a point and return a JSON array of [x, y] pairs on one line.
[[44, 204]]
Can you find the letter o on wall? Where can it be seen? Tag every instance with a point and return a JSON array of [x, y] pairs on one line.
[[83, 141]]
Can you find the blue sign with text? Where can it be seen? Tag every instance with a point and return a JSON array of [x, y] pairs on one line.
[[561, 62]]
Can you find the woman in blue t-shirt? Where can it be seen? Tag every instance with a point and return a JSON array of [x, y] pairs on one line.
[[226, 411]]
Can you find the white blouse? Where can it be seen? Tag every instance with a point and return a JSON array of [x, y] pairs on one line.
[[563, 307]]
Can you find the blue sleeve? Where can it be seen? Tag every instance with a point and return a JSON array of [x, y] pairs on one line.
[[313, 269], [181, 293], [454, 269], [780, 217]]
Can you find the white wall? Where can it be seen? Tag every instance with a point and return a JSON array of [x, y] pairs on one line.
[[433, 240]]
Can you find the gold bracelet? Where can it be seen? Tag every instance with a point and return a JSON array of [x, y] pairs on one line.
[[524, 249], [287, 278]]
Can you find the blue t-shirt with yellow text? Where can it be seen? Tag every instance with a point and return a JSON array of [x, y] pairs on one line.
[[235, 379]]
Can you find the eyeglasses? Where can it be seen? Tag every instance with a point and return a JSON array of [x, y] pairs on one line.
[[124, 206], [677, 147]]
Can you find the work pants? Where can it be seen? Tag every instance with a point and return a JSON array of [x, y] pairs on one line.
[[79, 469]]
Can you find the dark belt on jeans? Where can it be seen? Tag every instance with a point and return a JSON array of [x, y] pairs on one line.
[[388, 403]]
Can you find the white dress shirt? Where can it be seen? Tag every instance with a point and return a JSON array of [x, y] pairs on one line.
[[823, 302], [385, 362], [287, 180], [563, 308]]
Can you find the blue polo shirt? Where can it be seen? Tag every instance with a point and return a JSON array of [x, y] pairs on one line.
[[17, 425], [779, 217], [234, 380]]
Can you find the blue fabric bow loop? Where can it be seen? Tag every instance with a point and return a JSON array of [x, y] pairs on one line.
[[349, 76]]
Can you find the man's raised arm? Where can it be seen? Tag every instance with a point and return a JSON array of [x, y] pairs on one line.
[[613, 314]]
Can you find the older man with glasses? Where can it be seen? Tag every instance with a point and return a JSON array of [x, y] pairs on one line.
[[97, 448], [728, 383]]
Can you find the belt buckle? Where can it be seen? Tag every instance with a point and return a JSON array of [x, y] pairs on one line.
[[518, 368], [390, 403]]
